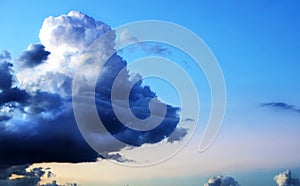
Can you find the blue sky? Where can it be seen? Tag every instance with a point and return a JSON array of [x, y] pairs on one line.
[[257, 46], [255, 41]]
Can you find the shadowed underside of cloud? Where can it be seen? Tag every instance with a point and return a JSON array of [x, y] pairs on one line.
[[5, 69], [285, 179], [222, 181], [19, 176], [282, 106], [36, 120]]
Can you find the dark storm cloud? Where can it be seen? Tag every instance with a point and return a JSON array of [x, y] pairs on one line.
[[44, 140], [13, 95], [27, 178], [38, 125], [282, 106], [5, 71], [48, 133], [139, 100], [30, 178], [35, 56]]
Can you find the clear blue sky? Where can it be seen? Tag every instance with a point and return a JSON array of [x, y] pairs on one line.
[[257, 45]]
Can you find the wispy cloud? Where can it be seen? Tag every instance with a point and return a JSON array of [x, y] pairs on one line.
[[281, 106], [188, 119]]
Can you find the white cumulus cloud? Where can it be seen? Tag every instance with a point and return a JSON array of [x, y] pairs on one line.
[[222, 181], [67, 37], [285, 179]]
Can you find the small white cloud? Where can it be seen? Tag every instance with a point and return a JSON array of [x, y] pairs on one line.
[[222, 181]]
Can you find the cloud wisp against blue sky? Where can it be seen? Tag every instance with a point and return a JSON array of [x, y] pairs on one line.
[[282, 106]]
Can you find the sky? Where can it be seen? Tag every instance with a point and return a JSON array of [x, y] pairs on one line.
[[255, 43]]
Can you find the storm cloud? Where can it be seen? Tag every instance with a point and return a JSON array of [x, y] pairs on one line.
[[37, 122], [19, 176]]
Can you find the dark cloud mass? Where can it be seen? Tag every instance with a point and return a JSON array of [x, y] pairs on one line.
[[5, 69], [13, 95], [34, 56], [139, 101], [27, 177], [37, 123]]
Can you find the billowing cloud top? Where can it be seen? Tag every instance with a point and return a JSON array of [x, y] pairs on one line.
[[285, 179], [36, 120], [74, 31]]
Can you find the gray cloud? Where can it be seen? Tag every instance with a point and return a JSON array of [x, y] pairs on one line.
[[177, 135], [189, 119], [285, 179], [27, 178], [34, 56], [38, 120], [115, 156], [222, 181], [6, 78], [282, 106]]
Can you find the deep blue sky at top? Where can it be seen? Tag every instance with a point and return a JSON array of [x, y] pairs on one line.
[[257, 42]]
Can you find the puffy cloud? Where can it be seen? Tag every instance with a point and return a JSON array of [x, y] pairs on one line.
[[67, 37], [34, 56], [37, 122], [74, 31], [282, 106], [222, 181], [285, 179]]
